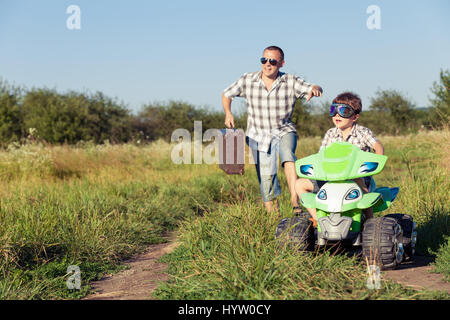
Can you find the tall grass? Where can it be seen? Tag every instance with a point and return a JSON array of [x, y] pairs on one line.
[[231, 253], [95, 205], [92, 206], [419, 165]]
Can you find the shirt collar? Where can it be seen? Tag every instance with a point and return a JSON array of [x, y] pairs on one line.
[[353, 131], [281, 76]]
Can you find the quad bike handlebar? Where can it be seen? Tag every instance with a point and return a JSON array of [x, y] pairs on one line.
[[340, 161]]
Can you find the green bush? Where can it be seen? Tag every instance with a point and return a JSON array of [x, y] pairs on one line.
[[72, 117], [442, 263]]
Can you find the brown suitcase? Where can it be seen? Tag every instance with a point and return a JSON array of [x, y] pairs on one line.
[[232, 151]]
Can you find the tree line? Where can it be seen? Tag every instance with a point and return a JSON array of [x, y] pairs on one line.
[[71, 117]]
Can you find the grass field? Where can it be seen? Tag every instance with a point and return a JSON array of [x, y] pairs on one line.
[[95, 205]]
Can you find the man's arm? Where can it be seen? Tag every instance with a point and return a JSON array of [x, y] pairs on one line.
[[234, 90], [306, 90], [229, 119], [316, 91]]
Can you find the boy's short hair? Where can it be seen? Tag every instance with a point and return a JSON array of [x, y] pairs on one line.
[[353, 100], [276, 48]]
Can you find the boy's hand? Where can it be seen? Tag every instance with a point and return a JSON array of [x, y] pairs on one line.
[[316, 91]]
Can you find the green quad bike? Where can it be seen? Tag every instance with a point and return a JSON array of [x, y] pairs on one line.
[[385, 241]]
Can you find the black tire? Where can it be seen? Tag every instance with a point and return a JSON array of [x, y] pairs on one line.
[[282, 226], [298, 231], [382, 242], [409, 233]]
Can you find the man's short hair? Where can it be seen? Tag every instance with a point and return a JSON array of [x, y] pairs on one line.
[[276, 48], [353, 100]]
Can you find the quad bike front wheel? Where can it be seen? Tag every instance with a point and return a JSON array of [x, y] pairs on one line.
[[382, 242], [298, 231]]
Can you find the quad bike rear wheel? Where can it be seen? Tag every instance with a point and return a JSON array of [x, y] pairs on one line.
[[382, 242], [409, 233], [298, 231]]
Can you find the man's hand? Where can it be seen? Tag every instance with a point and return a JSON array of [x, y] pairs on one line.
[[316, 91], [229, 120]]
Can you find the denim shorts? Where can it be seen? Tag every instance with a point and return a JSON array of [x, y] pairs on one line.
[[266, 163]]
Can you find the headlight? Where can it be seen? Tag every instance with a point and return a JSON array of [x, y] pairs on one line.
[[322, 195], [352, 195]]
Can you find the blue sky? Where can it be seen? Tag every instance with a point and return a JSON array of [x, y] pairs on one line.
[[153, 51]]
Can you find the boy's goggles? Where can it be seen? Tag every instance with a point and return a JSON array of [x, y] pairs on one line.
[[344, 110]]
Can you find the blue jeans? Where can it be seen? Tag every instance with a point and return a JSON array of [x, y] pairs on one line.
[[266, 163]]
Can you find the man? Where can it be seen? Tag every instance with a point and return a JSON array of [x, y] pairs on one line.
[[270, 96]]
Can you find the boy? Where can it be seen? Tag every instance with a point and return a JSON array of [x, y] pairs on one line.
[[344, 111]]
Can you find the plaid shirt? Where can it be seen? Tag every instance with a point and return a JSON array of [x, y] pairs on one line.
[[359, 135], [268, 112]]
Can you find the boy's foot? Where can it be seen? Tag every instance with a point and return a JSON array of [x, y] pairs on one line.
[[314, 222], [297, 211]]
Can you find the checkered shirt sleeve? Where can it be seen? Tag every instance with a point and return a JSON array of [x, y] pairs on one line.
[[236, 88], [329, 138]]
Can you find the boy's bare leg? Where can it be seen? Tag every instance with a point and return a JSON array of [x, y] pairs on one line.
[[304, 186], [362, 185], [368, 213]]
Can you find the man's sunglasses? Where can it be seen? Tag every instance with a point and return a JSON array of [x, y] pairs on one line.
[[344, 110], [271, 61]]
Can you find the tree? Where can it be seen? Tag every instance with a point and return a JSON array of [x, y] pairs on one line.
[[394, 113], [11, 128], [106, 119], [440, 104], [71, 117], [159, 120], [301, 118], [57, 120], [311, 119]]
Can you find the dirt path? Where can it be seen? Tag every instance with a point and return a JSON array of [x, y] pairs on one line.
[[417, 275], [139, 280], [145, 272]]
